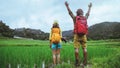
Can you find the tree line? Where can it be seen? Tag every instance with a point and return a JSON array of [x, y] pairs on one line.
[[6, 31], [104, 30], [31, 33]]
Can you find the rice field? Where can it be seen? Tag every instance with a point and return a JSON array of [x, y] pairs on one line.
[[28, 53]]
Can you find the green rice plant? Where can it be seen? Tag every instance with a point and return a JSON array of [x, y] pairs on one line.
[[27, 53]]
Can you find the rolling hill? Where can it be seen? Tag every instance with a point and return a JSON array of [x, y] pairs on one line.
[[104, 30]]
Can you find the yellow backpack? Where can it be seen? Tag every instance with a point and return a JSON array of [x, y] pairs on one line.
[[55, 35]]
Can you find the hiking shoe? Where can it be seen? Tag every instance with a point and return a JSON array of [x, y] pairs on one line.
[[77, 63], [52, 66], [85, 62]]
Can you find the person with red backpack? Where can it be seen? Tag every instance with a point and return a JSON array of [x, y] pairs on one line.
[[80, 31], [55, 39]]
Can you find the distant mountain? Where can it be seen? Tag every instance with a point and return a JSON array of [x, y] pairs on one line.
[[30, 33], [68, 34], [104, 30]]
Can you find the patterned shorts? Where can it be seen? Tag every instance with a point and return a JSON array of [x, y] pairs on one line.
[[80, 41]]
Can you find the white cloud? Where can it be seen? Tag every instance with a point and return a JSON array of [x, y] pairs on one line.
[[21, 22], [104, 12], [40, 14]]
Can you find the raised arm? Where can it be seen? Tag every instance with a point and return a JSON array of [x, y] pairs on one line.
[[88, 12], [70, 12]]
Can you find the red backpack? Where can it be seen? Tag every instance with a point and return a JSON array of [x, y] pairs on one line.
[[80, 26]]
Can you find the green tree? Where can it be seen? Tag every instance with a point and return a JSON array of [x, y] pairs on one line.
[[5, 30]]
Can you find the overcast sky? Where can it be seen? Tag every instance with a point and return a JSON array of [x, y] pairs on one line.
[[40, 14]]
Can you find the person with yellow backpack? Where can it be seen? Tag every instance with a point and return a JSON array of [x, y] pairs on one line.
[[55, 39]]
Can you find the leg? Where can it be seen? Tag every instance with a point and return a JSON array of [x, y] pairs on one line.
[[54, 56], [85, 56], [58, 56], [76, 56], [84, 48], [54, 53], [77, 53], [76, 46]]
